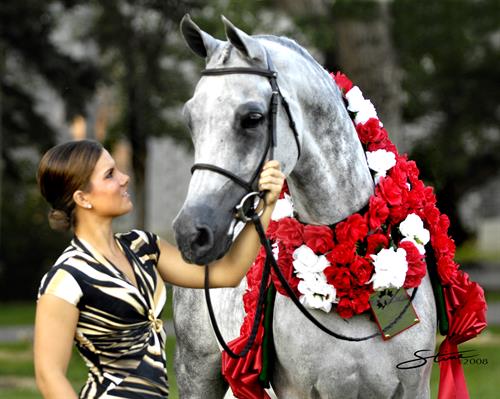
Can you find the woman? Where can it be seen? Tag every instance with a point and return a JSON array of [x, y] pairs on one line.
[[105, 291]]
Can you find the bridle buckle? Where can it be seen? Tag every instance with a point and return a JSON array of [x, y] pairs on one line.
[[245, 211]]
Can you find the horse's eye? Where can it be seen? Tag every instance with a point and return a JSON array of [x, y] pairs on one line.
[[251, 120]]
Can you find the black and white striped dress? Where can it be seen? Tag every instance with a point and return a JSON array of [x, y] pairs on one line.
[[119, 333]]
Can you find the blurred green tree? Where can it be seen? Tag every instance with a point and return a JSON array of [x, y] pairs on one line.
[[26, 53], [141, 55], [450, 52], [437, 67]]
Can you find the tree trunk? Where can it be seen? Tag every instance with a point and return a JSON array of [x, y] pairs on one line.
[[365, 53], [137, 139], [2, 74]]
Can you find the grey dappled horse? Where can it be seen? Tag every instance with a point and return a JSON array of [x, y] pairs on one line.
[[329, 181]]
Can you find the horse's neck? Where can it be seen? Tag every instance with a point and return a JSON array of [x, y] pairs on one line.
[[331, 180]]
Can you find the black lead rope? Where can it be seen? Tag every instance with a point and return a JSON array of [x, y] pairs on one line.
[[270, 260], [258, 313]]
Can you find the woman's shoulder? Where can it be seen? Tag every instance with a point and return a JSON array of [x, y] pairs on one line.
[[64, 277]]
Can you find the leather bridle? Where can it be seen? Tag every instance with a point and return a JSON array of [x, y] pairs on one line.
[[276, 98]]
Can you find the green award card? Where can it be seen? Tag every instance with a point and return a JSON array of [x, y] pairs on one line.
[[393, 311]]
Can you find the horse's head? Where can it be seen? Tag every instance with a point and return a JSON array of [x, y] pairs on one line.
[[228, 117]]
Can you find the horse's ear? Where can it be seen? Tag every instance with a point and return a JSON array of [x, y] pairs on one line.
[[246, 44], [201, 43]]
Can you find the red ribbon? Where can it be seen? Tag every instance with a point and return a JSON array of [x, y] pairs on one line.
[[466, 308], [242, 374]]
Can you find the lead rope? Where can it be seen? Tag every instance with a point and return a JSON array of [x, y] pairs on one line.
[[270, 260], [258, 313]]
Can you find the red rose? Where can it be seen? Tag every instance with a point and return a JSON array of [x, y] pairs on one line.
[[318, 238], [375, 242], [447, 269], [412, 171], [361, 301], [390, 191], [415, 199], [285, 263], [352, 229], [340, 277], [444, 222], [362, 270], [343, 82], [398, 175], [416, 265], [377, 212], [430, 197], [290, 232], [371, 131], [398, 213], [342, 253], [345, 308], [442, 244], [383, 145], [271, 229], [431, 214]]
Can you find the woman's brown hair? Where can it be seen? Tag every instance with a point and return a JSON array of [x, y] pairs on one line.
[[63, 170]]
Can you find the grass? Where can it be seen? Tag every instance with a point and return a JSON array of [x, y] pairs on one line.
[[16, 371], [468, 252], [17, 313], [16, 361]]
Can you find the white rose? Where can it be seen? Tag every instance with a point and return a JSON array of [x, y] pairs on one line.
[[367, 111], [306, 261], [390, 268], [283, 208], [413, 228], [354, 99], [316, 292], [380, 161]]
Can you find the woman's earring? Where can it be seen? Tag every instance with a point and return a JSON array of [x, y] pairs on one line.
[[89, 206]]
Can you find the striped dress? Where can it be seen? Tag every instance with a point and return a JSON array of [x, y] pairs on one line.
[[119, 333]]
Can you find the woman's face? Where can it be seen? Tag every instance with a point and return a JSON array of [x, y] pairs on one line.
[[108, 192]]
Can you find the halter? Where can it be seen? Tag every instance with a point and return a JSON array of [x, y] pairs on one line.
[[276, 96]]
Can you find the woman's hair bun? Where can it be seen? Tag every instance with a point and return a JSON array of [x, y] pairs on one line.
[[59, 220]]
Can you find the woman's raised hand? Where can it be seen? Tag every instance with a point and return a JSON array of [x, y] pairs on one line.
[[271, 180]]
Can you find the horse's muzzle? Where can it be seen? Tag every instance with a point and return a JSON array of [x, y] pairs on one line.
[[199, 236]]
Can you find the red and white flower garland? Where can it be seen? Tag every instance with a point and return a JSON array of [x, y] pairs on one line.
[[370, 250], [380, 248]]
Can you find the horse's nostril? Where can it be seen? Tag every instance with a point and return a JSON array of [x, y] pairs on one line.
[[204, 238]]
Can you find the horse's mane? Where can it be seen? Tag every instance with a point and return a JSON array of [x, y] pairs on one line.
[[288, 43]]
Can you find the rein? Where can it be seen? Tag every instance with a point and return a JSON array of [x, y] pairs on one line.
[[246, 212]]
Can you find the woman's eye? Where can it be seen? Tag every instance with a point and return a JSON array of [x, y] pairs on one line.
[[110, 173], [251, 120]]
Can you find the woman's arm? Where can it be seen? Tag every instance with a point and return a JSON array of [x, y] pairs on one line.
[[55, 327], [229, 270]]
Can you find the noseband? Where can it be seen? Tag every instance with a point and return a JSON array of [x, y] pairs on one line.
[[276, 96]]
